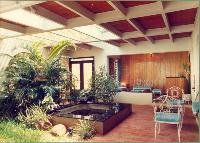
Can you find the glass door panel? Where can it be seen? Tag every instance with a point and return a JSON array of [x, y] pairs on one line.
[[87, 74], [76, 75]]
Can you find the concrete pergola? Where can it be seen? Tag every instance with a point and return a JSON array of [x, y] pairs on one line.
[[132, 22]]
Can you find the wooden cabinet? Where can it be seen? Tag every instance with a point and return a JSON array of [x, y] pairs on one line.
[[177, 81]]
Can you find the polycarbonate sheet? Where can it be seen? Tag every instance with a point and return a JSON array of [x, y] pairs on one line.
[[35, 39], [6, 33], [29, 18], [54, 37], [97, 32], [100, 44], [72, 34]]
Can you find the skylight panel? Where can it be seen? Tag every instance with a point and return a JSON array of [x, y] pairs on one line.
[[101, 44], [33, 39], [55, 37], [7, 33], [30, 19], [97, 32], [72, 34]]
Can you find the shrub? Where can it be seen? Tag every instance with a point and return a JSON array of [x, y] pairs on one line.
[[33, 116], [48, 103], [29, 77], [84, 129], [8, 108], [103, 86], [74, 96]]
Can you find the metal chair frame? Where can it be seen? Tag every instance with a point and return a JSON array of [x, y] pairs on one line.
[[164, 105]]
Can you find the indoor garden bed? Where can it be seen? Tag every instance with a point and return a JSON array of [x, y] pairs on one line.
[[104, 116]]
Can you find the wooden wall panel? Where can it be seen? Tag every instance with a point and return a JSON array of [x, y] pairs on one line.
[[155, 67]]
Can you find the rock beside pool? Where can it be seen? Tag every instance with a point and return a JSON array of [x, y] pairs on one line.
[[58, 130]]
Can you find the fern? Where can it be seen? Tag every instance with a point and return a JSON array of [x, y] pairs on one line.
[[56, 50], [29, 78]]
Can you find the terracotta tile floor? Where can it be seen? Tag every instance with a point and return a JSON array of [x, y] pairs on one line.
[[139, 127]]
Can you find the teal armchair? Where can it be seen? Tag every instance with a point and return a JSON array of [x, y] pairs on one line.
[[168, 110]]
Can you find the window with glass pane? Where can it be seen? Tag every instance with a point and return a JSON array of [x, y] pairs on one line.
[[82, 70]]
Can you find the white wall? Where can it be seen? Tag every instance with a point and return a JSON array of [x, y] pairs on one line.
[[100, 54], [134, 98], [10, 46], [195, 59]]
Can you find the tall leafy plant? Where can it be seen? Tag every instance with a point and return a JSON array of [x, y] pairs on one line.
[[56, 50], [103, 86], [30, 77]]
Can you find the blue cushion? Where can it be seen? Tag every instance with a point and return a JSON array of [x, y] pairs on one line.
[[175, 102], [137, 90], [141, 88], [158, 91], [167, 117], [195, 107]]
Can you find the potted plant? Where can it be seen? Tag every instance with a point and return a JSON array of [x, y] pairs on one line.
[[186, 72]]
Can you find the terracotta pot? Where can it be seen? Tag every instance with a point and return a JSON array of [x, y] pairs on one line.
[[43, 125]]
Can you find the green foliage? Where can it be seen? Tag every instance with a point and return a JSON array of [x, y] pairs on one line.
[[48, 100], [29, 77], [103, 86], [8, 107], [186, 72], [84, 129], [11, 131], [82, 96], [74, 96], [56, 50], [186, 66], [48, 103], [33, 115]]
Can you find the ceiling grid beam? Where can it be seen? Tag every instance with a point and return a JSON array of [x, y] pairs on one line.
[[166, 21], [13, 5], [12, 27], [48, 14], [18, 28], [80, 10], [150, 9], [159, 31], [119, 7], [120, 13], [77, 8]]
